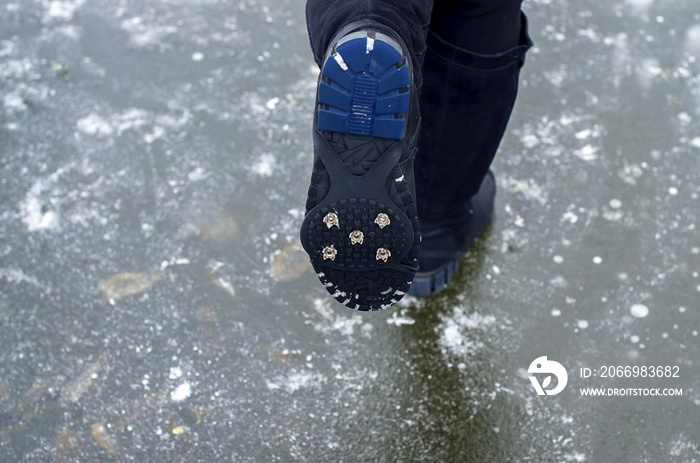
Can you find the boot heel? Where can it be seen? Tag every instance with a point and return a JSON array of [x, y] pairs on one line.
[[364, 87]]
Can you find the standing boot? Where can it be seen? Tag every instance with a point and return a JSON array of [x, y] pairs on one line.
[[466, 101]]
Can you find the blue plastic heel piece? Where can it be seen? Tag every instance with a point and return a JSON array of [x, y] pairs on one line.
[[370, 97]]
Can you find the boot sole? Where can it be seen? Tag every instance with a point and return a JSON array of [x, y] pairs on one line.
[[362, 237]]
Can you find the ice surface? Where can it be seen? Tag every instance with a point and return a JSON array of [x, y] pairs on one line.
[[455, 336], [173, 137], [692, 38]]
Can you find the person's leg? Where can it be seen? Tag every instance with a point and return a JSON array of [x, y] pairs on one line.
[[470, 78], [486, 27], [361, 224]]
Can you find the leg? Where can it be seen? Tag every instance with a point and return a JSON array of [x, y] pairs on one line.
[[361, 223], [469, 90]]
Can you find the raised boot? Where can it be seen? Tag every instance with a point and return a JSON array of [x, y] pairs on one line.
[[361, 227]]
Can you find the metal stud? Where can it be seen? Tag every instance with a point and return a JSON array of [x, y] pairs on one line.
[[331, 219], [357, 237], [382, 220], [329, 252], [383, 254]]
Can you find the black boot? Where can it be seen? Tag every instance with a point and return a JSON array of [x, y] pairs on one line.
[[361, 225], [466, 101]]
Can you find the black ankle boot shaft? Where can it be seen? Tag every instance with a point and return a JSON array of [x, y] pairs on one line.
[[466, 102]]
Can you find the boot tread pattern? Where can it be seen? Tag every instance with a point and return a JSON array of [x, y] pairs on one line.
[[361, 226], [364, 88]]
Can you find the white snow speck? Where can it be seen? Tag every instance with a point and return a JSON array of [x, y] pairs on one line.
[[569, 217], [175, 372], [582, 324], [297, 380], [144, 34], [639, 310], [197, 174], [529, 140], [94, 125], [456, 337], [587, 153], [32, 210], [576, 457], [272, 103], [181, 392], [398, 320], [264, 166], [555, 312], [684, 118], [197, 56], [583, 134], [14, 102], [62, 10]]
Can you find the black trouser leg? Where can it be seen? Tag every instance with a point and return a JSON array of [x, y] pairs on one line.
[[466, 101], [480, 26]]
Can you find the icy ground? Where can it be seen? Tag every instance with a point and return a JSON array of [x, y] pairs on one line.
[[154, 305]]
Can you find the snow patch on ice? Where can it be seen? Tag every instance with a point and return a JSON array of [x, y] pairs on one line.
[[297, 380], [61, 10], [182, 392], [93, 124], [587, 153], [528, 187], [455, 338], [575, 456], [7, 48], [14, 103], [684, 447], [333, 323], [398, 320], [175, 373], [35, 213], [131, 119], [264, 166], [146, 35]]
